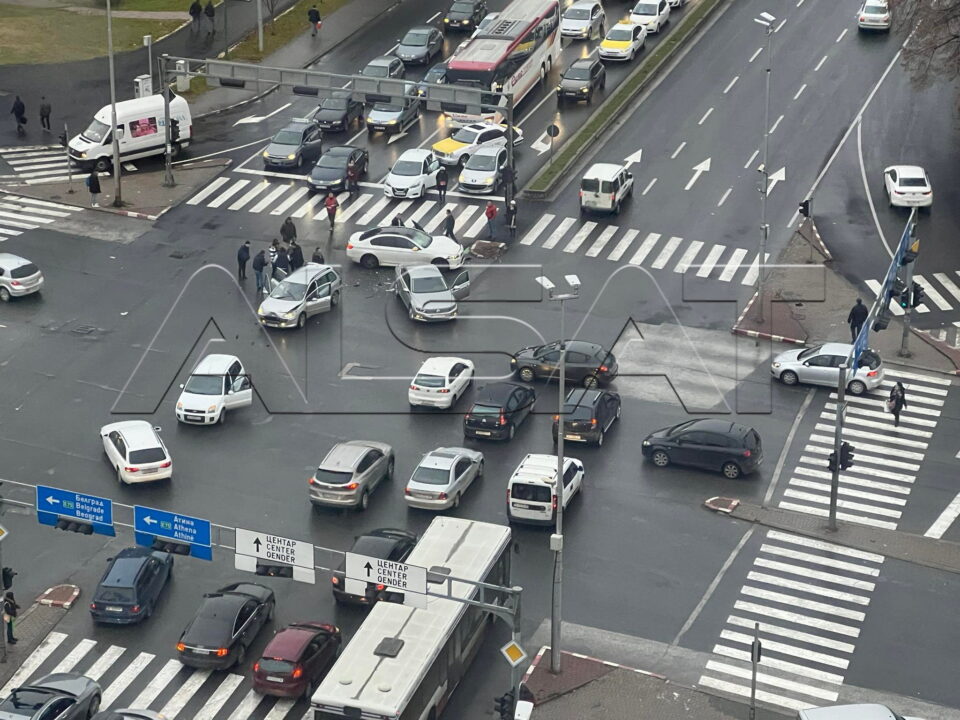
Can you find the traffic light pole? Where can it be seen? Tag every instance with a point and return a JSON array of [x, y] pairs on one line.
[[3, 631], [168, 180], [905, 338], [837, 442]]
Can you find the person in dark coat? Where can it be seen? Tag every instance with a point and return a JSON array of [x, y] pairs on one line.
[[856, 319], [897, 402], [10, 609], [93, 185], [317, 256], [442, 180], [353, 177], [210, 13], [449, 222], [281, 263], [196, 12], [259, 263], [511, 218], [296, 256], [19, 112], [313, 17], [243, 256], [397, 221], [288, 231], [45, 111]]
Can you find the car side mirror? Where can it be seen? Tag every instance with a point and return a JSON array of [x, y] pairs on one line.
[[806, 363], [181, 386], [157, 428]]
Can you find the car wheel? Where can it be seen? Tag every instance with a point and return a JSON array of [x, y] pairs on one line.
[[4, 294], [857, 387], [511, 432], [302, 321], [273, 606], [619, 410], [241, 656], [389, 475], [222, 417], [364, 500], [299, 161], [456, 500], [526, 374], [789, 377], [102, 165], [369, 262], [480, 469], [94, 707], [590, 382], [410, 313], [309, 690], [616, 208], [463, 160], [660, 458], [600, 439], [731, 470], [335, 299]]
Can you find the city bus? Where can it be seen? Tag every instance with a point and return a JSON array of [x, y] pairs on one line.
[[511, 55], [404, 662]]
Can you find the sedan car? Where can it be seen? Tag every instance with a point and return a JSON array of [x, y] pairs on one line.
[[861, 711], [457, 149], [465, 14], [225, 625], [425, 293], [709, 443], [131, 585], [583, 20], [330, 172], [498, 410], [420, 44], [338, 111], [652, 14], [18, 277], [820, 365], [440, 382], [394, 117], [874, 15], [384, 66], [623, 42], [588, 415], [437, 75], [483, 172], [384, 544], [414, 172], [297, 659], [60, 696], [442, 477], [300, 140], [585, 362], [135, 450], [404, 246], [907, 186], [350, 472], [581, 80]]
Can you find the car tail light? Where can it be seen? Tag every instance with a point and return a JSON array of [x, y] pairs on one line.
[[222, 652], [554, 502], [353, 486], [335, 580], [613, 197], [406, 491], [863, 18], [593, 421], [442, 496], [131, 469], [580, 194], [349, 246], [312, 480], [899, 192], [556, 418], [15, 283], [414, 387], [381, 588], [167, 464], [604, 368], [927, 192], [135, 608], [503, 419], [872, 373], [444, 390], [181, 647], [93, 606], [297, 672], [256, 666], [747, 453], [508, 493]]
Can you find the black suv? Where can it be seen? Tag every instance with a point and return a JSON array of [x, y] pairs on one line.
[[581, 80], [497, 410], [465, 14], [708, 443], [129, 589], [588, 415], [386, 544], [586, 363], [336, 112]]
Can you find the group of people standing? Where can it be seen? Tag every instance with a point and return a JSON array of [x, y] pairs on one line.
[[198, 13], [286, 257]]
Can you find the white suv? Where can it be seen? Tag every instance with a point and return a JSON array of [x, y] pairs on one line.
[[604, 187], [218, 383], [532, 489]]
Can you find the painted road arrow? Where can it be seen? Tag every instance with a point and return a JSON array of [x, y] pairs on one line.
[[396, 137], [542, 144], [635, 158], [260, 118], [779, 176], [698, 170]]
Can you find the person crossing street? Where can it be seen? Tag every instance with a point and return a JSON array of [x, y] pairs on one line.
[[449, 223], [897, 402], [331, 205], [288, 231], [45, 110], [442, 180], [856, 318], [491, 213]]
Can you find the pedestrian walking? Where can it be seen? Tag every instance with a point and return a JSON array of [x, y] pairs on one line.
[[313, 16], [93, 185], [281, 263], [317, 256], [243, 256], [449, 222], [210, 13], [272, 252], [288, 231], [397, 221], [442, 180], [353, 176], [897, 402], [45, 113], [196, 12], [19, 112], [491, 213], [259, 263], [331, 205], [10, 609], [856, 319], [512, 218], [296, 256]]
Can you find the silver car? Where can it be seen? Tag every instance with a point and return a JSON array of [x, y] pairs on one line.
[[350, 472], [425, 293], [307, 291], [851, 712], [820, 365], [18, 277], [583, 20], [442, 477]]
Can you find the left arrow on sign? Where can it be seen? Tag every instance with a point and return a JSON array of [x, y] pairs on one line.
[[52, 500], [149, 520]]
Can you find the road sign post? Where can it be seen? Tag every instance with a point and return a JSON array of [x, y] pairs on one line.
[[268, 554], [58, 507], [172, 532]]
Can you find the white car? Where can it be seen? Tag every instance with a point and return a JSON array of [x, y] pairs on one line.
[[404, 246], [623, 41], [412, 174], [457, 149], [440, 382], [652, 14], [583, 20], [442, 477], [907, 186], [18, 277], [218, 383], [874, 15], [532, 489], [135, 450], [482, 172]]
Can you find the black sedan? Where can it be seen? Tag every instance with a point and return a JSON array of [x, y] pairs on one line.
[[437, 75], [330, 172], [497, 411], [338, 111], [64, 696], [130, 588], [586, 363], [225, 626], [386, 544], [712, 444], [465, 14]]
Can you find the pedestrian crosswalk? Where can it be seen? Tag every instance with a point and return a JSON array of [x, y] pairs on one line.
[[593, 238], [942, 290], [809, 598], [19, 214], [135, 679], [37, 164]]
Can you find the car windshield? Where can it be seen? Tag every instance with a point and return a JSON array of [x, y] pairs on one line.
[[479, 409], [333, 478], [430, 381], [331, 162], [148, 455], [97, 131], [27, 699], [387, 107], [431, 476], [416, 37], [24, 271], [913, 182], [466, 135], [408, 167], [535, 493], [276, 666], [462, 7], [577, 73], [430, 284], [577, 14], [110, 593], [590, 185], [204, 385], [421, 239], [334, 104], [287, 290], [808, 352], [482, 162], [645, 9], [375, 71], [435, 74], [620, 34], [287, 137], [870, 359]]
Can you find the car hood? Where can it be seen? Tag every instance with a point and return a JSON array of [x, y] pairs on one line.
[[328, 115], [412, 50], [615, 44], [323, 174], [403, 181], [434, 302], [379, 116], [566, 84], [639, 19], [65, 682], [571, 24], [278, 150], [278, 307], [442, 245], [199, 402], [789, 356], [526, 353], [476, 177], [448, 145], [457, 16], [658, 434]]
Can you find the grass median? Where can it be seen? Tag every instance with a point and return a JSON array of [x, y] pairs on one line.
[[621, 97], [283, 30]]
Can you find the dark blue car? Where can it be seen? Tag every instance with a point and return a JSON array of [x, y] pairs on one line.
[[129, 589]]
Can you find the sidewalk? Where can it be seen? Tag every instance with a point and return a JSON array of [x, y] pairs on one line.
[[32, 627]]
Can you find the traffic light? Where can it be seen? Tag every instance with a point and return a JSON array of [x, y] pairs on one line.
[[274, 570], [918, 295], [174, 129], [805, 208], [909, 255], [898, 292], [505, 705], [832, 462], [882, 321], [77, 526], [174, 548], [8, 575], [846, 455], [904, 300]]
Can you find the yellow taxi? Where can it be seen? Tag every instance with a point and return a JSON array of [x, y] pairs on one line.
[[623, 42], [457, 149]]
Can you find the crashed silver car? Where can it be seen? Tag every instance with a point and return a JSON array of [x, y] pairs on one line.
[[307, 291], [425, 293]]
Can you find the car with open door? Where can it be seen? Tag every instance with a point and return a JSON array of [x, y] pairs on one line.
[[425, 293], [217, 384]]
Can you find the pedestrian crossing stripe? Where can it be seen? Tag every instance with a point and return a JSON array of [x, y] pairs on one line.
[[19, 214], [941, 289], [38, 164]]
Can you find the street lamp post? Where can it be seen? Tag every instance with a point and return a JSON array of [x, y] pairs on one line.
[[556, 540], [117, 200], [767, 20]]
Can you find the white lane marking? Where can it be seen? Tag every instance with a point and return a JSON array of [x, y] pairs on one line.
[[936, 380], [36, 210], [123, 680], [845, 504], [800, 91], [246, 707], [308, 206], [353, 207], [422, 210], [478, 225], [840, 36], [761, 695], [807, 588], [810, 574], [184, 693], [672, 244], [820, 64], [579, 237], [849, 517], [849, 479], [436, 15], [21, 214], [776, 124], [157, 683], [215, 702], [799, 3], [883, 437], [601, 242], [676, 152], [707, 114], [41, 203], [294, 196], [74, 656], [754, 56], [229, 193], [378, 207], [733, 264], [249, 195], [819, 560], [948, 285], [207, 191], [946, 519], [710, 261], [686, 260], [558, 233], [798, 618], [932, 293], [876, 450], [827, 448], [752, 158], [269, 199], [649, 185], [824, 488], [771, 629], [621, 247], [782, 23], [645, 247], [104, 662], [882, 414], [799, 602], [437, 219], [787, 649], [731, 84], [750, 277], [723, 199], [280, 709], [790, 667], [825, 546], [531, 237], [462, 218], [773, 680], [34, 661]]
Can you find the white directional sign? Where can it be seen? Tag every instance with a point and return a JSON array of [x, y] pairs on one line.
[[394, 575], [275, 550]]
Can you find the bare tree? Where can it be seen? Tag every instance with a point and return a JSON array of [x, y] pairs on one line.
[[271, 7], [933, 50]]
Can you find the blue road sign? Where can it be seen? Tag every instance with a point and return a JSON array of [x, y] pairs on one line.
[[54, 503], [150, 524]]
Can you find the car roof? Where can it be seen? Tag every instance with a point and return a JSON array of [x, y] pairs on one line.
[[496, 392], [583, 396], [137, 434], [10, 261], [481, 126], [421, 27], [584, 61], [345, 455], [382, 60], [289, 643], [124, 570], [215, 364], [624, 25], [538, 469], [603, 171], [836, 349], [493, 150], [724, 427], [298, 124], [439, 365], [440, 459], [849, 712], [908, 170], [307, 273], [583, 4], [422, 270], [340, 150], [415, 154]]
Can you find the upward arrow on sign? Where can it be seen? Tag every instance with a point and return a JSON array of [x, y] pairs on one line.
[[257, 543], [368, 567]]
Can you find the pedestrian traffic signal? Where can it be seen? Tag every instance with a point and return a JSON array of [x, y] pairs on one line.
[[8, 575], [505, 705], [918, 295], [846, 455], [77, 526], [805, 208], [173, 548], [904, 299], [897, 290], [882, 321], [174, 129], [832, 462]]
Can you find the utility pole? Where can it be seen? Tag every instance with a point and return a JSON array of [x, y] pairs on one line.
[[117, 199], [755, 650], [908, 279], [767, 20], [511, 136], [168, 180]]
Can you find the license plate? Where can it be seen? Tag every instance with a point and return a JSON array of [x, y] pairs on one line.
[[524, 506], [379, 127], [329, 496], [425, 496], [198, 418], [200, 651], [112, 608], [147, 471], [572, 437], [483, 432], [274, 678]]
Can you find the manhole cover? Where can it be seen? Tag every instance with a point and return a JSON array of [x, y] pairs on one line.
[[178, 254], [83, 329]]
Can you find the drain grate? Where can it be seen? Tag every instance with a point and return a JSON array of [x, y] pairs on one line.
[[83, 329]]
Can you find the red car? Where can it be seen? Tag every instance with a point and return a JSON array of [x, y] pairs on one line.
[[296, 660]]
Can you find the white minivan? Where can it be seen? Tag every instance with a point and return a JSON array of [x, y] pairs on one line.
[[140, 130], [604, 187], [532, 489], [218, 383]]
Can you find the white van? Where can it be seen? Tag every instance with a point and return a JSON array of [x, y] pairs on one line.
[[218, 383], [532, 489], [604, 187], [140, 130]]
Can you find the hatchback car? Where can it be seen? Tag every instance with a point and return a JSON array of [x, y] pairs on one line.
[[581, 80], [426, 295], [301, 140], [820, 365], [605, 187], [652, 14], [394, 117], [217, 384], [483, 172], [420, 44], [384, 66], [401, 245], [350, 472], [338, 111], [622, 42], [131, 585], [498, 410], [330, 172], [874, 15], [414, 172], [60, 696], [440, 382], [532, 489], [465, 14], [437, 75], [135, 450], [18, 277], [851, 712], [583, 19], [588, 415], [383, 544], [907, 186], [297, 659], [225, 625], [442, 477], [708, 443], [586, 363], [457, 149], [307, 291]]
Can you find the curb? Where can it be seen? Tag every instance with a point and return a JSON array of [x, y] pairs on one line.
[[65, 604], [737, 330]]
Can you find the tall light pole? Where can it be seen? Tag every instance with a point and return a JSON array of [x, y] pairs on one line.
[[767, 20], [117, 200], [556, 540]]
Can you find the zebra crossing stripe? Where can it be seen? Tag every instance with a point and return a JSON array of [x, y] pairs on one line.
[[246, 707], [14, 223], [375, 210], [579, 237], [807, 587], [358, 202], [601, 242], [463, 217], [672, 244], [435, 221], [788, 649], [219, 698], [797, 618], [843, 489], [686, 260], [774, 680], [750, 277], [948, 285], [207, 191], [478, 225], [422, 210], [22, 215], [229, 193], [761, 695], [557, 234], [531, 237], [50, 643], [37, 210], [811, 574], [645, 247], [845, 504], [785, 665], [847, 517], [122, 681], [809, 638], [184, 693], [801, 556], [904, 374], [308, 206], [157, 683], [269, 199], [849, 479], [248, 196], [853, 432], [294, 197], [104, 662], [733, 264], [814, 544], [799, 602], [932, 293], [75, 656], [710, 261], [621, 247], [42, 203], [280, 709]]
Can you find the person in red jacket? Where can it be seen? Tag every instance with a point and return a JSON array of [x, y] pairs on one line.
[[491, 213], [331, 205]]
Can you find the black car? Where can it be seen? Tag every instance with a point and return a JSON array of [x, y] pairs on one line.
[[707, 443], [225, 626], [130, 587], [300, 140], [420, 44], [465, 14], [582, 79], [497, 411], [336, 112], [330, 172], [386, 544], [436, 75], [60, 696], [586, 363], [588, 415]]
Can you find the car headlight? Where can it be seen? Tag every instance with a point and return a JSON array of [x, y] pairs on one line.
[[212, 408], [466, 22], [179, 406], [585, 31], [446, 20], [646, 443], [776, 364], [391, 122], [266, 154], [291, 156], [337, 182], [289, 315], [488, 181], [584, 90], [559, 88], [83, 154]]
